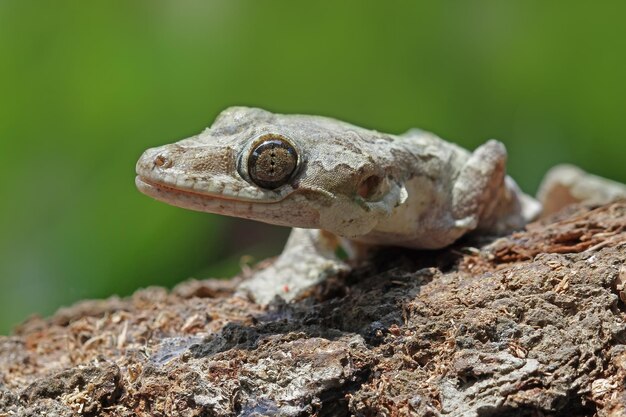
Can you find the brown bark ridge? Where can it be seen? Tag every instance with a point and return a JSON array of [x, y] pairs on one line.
[[530, 324]]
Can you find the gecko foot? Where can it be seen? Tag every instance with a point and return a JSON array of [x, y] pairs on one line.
[[567, 184], [308, 259], [288, 281]]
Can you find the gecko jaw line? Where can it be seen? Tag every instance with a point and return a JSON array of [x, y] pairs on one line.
[[209, 196]]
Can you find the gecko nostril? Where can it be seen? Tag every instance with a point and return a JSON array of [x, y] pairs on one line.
[[162, 162]]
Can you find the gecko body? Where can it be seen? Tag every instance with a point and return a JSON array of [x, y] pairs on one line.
[[334, 182]]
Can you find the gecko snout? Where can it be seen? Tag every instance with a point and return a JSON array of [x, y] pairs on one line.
[[159, 158], [155, 158]]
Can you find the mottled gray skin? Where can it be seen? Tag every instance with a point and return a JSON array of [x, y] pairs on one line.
[[422, 192]]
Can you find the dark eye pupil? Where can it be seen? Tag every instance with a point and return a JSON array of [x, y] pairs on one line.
[[272, 162]]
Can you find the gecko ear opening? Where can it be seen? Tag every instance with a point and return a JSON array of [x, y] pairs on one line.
[[388, 195], [370, 188], [384, 194]]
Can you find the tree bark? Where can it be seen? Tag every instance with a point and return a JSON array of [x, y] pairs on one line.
[[530, 324]]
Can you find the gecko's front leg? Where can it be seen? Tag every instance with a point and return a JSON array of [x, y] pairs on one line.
[[485, 198], [307, 259]]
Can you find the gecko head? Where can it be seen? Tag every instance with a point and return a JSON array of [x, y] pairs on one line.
[[292, 170]]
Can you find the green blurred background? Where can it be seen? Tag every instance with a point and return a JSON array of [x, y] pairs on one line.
[[86, 86]]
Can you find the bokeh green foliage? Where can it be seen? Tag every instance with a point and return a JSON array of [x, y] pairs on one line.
[[86, 86]]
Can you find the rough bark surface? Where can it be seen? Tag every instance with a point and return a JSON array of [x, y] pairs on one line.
[[527, 325]]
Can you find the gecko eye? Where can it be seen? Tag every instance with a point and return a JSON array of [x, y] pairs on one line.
[[272, 161]]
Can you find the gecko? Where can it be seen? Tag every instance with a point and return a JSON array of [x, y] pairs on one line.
[[336, 184]]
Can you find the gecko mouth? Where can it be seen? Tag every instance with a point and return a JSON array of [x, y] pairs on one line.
[[268, 211], [168, 193], [155, 189]]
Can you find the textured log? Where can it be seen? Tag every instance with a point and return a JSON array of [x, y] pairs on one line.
[[527, 325]]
